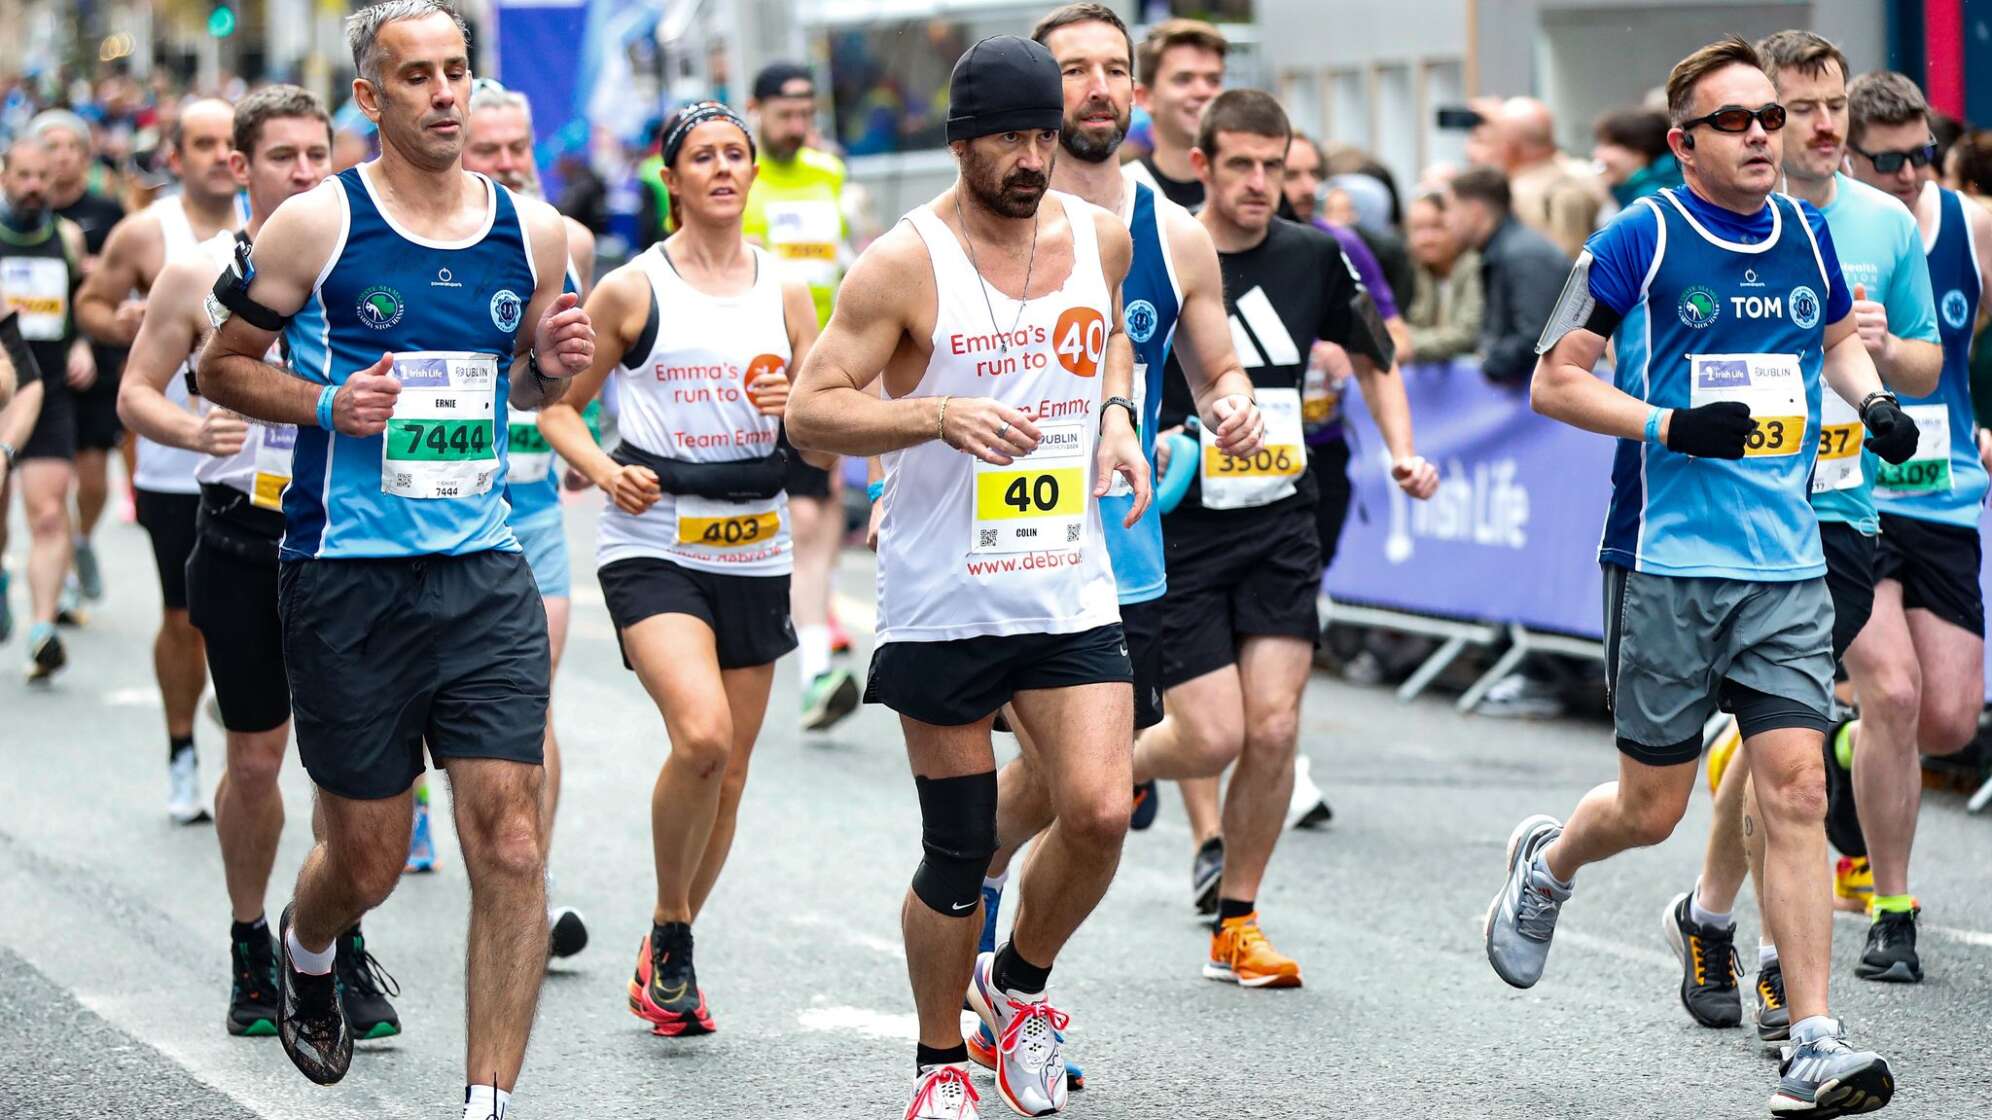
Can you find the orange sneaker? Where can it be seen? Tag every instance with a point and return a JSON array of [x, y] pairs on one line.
[[1240, 954], [1722, 751], [1853, 884]]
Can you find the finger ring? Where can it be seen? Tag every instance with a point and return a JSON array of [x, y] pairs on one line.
[[1004, 427]]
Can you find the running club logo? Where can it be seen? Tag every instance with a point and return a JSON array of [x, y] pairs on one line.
[[506, 310], [1140, 319], [1956, 309], [1699, 307], [380, 307], [1804, 306]]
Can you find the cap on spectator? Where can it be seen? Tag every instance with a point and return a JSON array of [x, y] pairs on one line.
[[777, 75], [58, 120], [1370, 198]]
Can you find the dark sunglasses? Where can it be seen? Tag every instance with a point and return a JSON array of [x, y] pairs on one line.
[[1735, 118], [1888, 163]]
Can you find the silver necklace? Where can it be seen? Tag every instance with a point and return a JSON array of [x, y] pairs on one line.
[[1003, 343]]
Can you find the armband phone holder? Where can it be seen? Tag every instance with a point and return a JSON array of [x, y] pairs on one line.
[[231, 291]]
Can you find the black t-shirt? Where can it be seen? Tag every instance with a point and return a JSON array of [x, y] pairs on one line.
[[1186, 193], [51, 354], [96, 214], [1292, 289]]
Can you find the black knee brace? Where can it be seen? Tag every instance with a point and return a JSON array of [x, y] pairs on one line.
[[958, 833]]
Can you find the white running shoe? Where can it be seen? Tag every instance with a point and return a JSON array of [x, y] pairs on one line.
[[1307, 808], [183, 790], [944, 1093], [1030, 1048]]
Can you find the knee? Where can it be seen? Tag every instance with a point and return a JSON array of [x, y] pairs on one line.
[[958, 838], [1946, 729], [505, 844], [704, 747], [1214, 744], [1653, 820], [1793, 793], [1099, 824], [255, 761], [1273, 735], [1890, 697], [47, 519]]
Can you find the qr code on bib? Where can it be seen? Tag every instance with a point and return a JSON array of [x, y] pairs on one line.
[[1072, 533], [988, 537]]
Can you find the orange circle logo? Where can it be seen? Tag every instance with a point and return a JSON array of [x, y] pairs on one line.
[[1080, 340], [763, 365]]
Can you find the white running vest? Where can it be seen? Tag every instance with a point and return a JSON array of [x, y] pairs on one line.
[[163, 469], [968, 549], [688, 400], [262, 468]]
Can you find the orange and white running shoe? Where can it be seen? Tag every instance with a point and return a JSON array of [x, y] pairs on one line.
[[1030, 1042], [944, 1093], [1240, 954], [665, 991]]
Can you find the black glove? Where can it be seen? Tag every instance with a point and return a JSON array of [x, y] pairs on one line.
[[1891, 434], [1713, 431]]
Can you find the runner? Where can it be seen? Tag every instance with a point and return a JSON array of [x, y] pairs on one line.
[[1180, 68], [1881, 255], [694, 553], [109, 308], [1919, 664], [282, 147], [499, 143], [1173, 284], [20, 409], [97, 428], [40, 266], [974, 610], [1711, 370], [409, 615], [795, 209], [1244, 554]]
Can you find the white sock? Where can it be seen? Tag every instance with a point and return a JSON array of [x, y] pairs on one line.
[[813, 647], [1541, 875], [1767, 954], [484, 1102], [995, 882], [1815, 1027], [1703, 917], [306, 961]]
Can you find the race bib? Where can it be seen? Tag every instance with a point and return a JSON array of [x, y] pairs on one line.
[[274, 444], [441, 441], [1268, 474], [38, 288], [528, 456], [1840, 435], [1320, 399], [1928, 470], [1039, 501], [708, 524], [805, 231], [1772, 385]]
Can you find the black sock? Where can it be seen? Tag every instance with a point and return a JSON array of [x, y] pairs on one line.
[[1228, 908], [925, 1055], [1012, 973], [1215, 843], [177, 743], [243, 931]]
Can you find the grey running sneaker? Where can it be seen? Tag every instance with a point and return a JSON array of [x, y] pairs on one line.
[[1709, 966], [89, 577], [1823, 1077], [1768, 1004], [311, 1023], [1522, 918], [1206, 874]]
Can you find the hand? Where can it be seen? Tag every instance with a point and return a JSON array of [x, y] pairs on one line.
[[971, 424], [872, 523], [564, 340], [1891, 434], [82, 369], [1415, 476], [1871, 323], [1120, 452], [223, 432], [634, 489], [770, 393], [1240, 429], [1713, 431], [364, 403], [130, 314], [1164, 448]]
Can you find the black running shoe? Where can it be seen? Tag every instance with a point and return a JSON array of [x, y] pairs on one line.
[[252, 1000], [1769, 1010], [1891, 949], [1709, 966], [1843, 823], [1146, 802], [1206, 872], [310, 1023], [45, 653], [566, 933], [364, 987]]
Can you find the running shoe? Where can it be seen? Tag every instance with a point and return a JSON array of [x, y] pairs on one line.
[[1147, 801], [364, 988], [1722, 751], [1206, 872], [1891, 949], [69, 605], [1518, 696], [1240, 954], [1709, 965], [6, 611], [840, 641], [1030, 1056], [45, 652], [1773, 1018], [944, 1093], [1522, 918], [1853, 884], [89, 577], [665, 991], [1307, 808], [311, 1023], [828, 699], [982, 1051], [1843, 822], [566, 933], [1824, 1077], [252, 998], [183, 789], [421, 843]]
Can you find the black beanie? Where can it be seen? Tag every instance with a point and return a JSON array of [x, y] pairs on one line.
[[1004, 84]]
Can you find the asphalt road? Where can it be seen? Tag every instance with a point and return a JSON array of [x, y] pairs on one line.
[[113, 952]]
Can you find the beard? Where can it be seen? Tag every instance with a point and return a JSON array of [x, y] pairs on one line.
[[1016, 195], [1092, 147]]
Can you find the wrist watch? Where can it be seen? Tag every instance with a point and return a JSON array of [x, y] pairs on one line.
[[1879, 394], [533, 367], [1133, 414]]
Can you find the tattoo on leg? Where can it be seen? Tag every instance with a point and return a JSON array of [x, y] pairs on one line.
[[1749, 826]]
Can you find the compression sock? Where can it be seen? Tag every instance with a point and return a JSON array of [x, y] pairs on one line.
[[1890, 904], [177, 743], [1012, 973]]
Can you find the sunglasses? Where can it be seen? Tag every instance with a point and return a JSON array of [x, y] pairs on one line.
[[1888, 163], [1735, 118]]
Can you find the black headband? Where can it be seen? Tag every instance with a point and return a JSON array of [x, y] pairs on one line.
[[694, 115]]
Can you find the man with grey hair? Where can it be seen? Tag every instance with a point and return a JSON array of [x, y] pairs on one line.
[[1553, 194]]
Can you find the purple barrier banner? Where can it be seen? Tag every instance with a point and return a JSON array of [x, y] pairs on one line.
[[1512, 534]]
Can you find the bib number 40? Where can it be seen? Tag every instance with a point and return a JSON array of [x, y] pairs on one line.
[[1032, 495]]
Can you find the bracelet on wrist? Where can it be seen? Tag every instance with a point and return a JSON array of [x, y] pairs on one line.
[[1653, 418], [941, 425], [325, 397], [874, 491]]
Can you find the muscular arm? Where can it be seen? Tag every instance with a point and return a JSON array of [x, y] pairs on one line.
[[1383, 395], [1116, 254], [120, 271], [291, 249], [547, 232], [618, 307], [799, 315], [173, 325]]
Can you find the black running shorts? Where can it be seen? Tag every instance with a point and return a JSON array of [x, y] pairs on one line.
[[233, 601], [1937, 565], [958, 682], [748, 615], [386, 655], [1142, 623], [1237, 576], [97, 424], [169, 520], [1849, 580], [54, 433]]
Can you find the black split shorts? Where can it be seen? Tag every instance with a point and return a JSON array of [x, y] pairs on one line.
[[952, 683], [1849, 580], [1142, 624], [1937, 565], [1233, 577], [748, 615]]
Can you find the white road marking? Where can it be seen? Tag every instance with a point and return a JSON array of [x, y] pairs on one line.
[[861, 1020], [147, 697], [1964, 936]]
